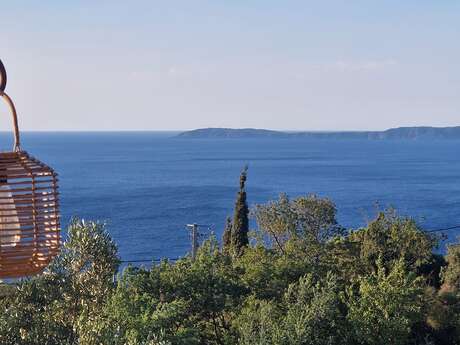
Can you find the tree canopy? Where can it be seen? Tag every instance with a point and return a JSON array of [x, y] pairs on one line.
[[302, 280]]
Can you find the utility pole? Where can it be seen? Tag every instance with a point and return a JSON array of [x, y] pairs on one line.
[[194, 236], [194, 231]]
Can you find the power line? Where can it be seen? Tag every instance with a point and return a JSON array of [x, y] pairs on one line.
[[148, 260], [445, 229], [175, 259]]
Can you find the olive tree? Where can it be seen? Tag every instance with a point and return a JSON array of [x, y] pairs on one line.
[[64, 305]]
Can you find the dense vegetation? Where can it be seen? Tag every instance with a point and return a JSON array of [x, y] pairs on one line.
[[302, 279]]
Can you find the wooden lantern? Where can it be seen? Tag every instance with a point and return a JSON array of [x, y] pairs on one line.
[[29, 209]]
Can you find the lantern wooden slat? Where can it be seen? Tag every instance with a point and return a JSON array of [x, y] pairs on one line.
[[30, 236], [50, 198], [18, 183], [29, 208]]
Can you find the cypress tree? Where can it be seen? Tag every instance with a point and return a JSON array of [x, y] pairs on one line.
[[227, 237], [241, 218]]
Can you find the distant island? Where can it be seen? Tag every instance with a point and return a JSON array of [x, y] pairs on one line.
[[407, 133]]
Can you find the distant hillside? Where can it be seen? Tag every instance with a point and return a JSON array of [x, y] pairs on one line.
[[233, 133], [412, 133]]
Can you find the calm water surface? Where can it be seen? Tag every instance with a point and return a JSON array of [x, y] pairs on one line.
[[147, 186]]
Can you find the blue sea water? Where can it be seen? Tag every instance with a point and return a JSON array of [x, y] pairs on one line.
[[148, 185]]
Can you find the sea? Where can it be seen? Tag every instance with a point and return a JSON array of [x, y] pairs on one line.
[[147, 186]]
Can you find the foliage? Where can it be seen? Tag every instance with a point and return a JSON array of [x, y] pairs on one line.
[[227, 236], [385, 306], [267, 274], [391, 238], [29, 317], [258, 322], [442, 316], [311, 219], [188, 302], [314, 312], [432, 269], [310, 313], [451, 273], [239, 233], [64, 303], [303, 281]]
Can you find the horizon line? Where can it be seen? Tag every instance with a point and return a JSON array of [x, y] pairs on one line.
[[231, 128]]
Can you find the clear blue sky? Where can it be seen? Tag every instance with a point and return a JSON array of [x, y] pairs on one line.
[[153, 65]]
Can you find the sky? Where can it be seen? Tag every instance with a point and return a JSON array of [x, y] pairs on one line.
[[177, 65]]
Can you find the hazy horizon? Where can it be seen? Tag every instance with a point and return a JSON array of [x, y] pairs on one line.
[[296, 65], [3, 131]]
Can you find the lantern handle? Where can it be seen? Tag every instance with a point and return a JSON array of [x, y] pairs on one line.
[[17, 142], [9, 101], [2, 77]]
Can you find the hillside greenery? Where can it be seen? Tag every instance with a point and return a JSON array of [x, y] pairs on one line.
[[301, 279]]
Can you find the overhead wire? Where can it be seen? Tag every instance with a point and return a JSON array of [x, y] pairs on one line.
[[445, 229], [455, 227]]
